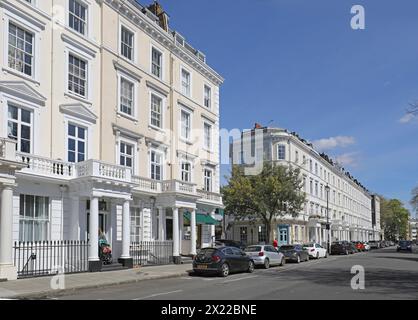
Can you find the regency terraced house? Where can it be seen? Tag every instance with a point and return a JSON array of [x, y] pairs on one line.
[[109, 121], [353, 212]]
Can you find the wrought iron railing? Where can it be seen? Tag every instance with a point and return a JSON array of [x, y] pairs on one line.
[[44, 258], [152, 252]]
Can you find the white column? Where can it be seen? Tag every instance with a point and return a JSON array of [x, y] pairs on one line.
[[94, 229], [181, 226], [75, 219], [316, 235], [212, 230], [161, 221], [193, 232], [176, 247], [6, 226], [126, 232]]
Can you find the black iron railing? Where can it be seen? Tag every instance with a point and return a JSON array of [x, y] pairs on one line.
[[152, 252], [43, 258]]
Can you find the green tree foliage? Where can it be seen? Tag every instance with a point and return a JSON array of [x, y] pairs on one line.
[[394, 219], [273, 193]]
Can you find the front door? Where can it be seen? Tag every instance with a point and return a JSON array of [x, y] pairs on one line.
[[103, 225], [283, 235]]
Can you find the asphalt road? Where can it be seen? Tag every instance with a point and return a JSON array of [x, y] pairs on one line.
[[388, 275]]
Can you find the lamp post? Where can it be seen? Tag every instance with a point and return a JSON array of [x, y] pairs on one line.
[[327, 189]]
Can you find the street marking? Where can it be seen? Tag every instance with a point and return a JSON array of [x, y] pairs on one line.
[[158, 294], [239, 279]]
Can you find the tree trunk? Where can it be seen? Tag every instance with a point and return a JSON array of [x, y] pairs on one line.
[[269, 234]]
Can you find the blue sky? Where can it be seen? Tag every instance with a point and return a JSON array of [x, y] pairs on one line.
[[299, 63]]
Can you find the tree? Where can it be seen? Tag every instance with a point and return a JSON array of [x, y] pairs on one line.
[[414, 200], [394, 219], [273, 193]]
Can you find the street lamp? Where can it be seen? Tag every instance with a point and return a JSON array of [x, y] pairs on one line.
[[327, 189]]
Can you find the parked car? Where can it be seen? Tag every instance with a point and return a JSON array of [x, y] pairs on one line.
[[294, 253], [341, 247], [222, 261], [265, 255], [360, 246], [374, 244], [353, 248], [230, 243], [404, 245], [366, 246], [315, 250]]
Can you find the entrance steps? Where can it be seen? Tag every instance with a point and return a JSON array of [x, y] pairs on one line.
[[113, 267]]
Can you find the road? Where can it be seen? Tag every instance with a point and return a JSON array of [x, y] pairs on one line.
[[388, 275]]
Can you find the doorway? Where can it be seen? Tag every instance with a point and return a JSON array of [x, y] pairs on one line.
[[283, 235]]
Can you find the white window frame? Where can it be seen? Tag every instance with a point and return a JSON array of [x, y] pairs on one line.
[[134, 115], [89, 130], [210, 96], [205, 147], [7, 100], [162, 163], [211, 179], [278, 151], [190, 173], [163, 103], [19, 123], [134, 146], [181, 82], [86, 140], [87, 4], [88, 59], [190, 114], [8, 18], [134, 53], [155, 47], [48, 220]]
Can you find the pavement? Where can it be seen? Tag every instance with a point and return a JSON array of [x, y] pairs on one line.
[[38, 288], [388, 274]]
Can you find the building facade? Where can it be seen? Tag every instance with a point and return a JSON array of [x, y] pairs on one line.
[[325, 183], [413, 229], [109, 122]]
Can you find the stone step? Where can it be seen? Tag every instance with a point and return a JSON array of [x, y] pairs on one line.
[[113, 267]]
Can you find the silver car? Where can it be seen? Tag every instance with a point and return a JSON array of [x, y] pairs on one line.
[[265, 255]]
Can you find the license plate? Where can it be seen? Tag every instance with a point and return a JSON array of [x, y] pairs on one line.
[[202, 266]]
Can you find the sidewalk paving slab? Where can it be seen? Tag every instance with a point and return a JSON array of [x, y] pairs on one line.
[[38, 288]]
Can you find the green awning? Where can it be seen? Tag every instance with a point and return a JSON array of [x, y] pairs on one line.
[[201, 218]]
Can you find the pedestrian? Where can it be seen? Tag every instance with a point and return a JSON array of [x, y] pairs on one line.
[[275, 243]]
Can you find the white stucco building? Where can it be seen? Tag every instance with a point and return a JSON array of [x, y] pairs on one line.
[[349, 203], [109, 121]]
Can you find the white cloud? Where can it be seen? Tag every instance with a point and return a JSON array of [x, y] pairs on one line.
[[348, 159], [407, 118], [333, 142]]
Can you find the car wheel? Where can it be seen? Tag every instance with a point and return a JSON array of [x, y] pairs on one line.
[[283, 262], [266, 263], [251, 267], [317, 255], [224, 270]]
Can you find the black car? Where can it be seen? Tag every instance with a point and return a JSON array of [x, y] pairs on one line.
[[404, 245], [295, 253], [222, 261], [342, 247], [230, 243]]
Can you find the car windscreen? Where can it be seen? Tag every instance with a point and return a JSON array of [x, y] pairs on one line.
[[253, 249], [207, 252], [404, 243], [287, 248]]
